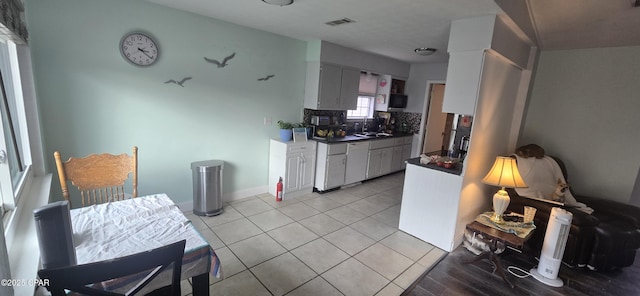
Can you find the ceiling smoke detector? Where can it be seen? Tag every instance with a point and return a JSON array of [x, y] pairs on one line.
[[340, 22], [278, 2], [425, 51]]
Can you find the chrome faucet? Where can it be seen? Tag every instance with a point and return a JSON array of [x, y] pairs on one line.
[[364, 124]]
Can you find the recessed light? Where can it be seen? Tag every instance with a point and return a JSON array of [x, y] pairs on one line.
[[425, 51], [278, 2]]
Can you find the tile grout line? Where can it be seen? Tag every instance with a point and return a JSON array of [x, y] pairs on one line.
[[376, 241]]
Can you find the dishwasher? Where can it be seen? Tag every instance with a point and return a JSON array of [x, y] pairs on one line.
[[357, 159]]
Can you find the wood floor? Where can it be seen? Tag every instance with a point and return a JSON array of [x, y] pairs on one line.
[[451, 277]]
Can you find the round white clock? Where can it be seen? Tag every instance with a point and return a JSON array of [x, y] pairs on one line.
[[139, 49]]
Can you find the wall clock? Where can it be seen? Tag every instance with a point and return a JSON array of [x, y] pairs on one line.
[[139, 49]]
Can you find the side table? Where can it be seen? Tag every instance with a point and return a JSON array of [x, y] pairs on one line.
[[493, 237]]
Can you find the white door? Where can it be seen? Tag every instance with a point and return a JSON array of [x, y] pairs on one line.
[[335, 171], [307, 169], [292, 179]]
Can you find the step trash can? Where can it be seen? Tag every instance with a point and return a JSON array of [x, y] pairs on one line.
[[207, 187]]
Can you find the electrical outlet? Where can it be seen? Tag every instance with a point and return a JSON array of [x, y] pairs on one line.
[[267, 121]]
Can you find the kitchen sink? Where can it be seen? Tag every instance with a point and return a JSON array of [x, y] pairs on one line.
[[371, 135]]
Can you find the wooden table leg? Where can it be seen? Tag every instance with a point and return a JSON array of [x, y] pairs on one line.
[[494, 259], [201, 285], [498, 266]]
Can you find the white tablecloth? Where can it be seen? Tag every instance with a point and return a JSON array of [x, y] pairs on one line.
[[121, 228]]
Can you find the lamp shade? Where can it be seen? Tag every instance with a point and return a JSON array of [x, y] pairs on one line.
[[504, 173]]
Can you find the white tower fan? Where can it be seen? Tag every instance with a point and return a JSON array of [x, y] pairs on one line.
[[555, 240]]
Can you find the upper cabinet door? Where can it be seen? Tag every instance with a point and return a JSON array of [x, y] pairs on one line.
[[322, 86], [349, 89], [329, 93], [463, 81]]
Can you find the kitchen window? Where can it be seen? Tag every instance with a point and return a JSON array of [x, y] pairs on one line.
[[366, 94], [13, 140], [20, 173], [364, 108]]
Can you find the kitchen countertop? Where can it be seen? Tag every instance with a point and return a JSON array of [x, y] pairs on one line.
[[352, 138], [456, 171]]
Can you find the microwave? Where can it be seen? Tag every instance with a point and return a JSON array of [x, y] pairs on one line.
[[397, 101], [319, 120]]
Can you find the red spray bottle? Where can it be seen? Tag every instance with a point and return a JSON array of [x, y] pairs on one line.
[[279, 192]]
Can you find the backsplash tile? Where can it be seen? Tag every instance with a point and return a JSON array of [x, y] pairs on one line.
[[411, 119]]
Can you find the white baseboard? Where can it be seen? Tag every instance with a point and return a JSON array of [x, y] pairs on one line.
[[187, 206]]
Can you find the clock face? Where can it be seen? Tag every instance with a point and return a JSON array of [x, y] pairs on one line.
[[139, 49]]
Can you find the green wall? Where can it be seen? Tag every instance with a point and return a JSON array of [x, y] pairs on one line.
[[584, 108], [91, 100]]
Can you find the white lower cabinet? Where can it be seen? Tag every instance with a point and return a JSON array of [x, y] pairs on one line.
[[385, 160], [373, 165], [331, 166], [334, 174], [380, 162], [295, 163], [406, 154], [397, 158], [347, 163], [380, 157]]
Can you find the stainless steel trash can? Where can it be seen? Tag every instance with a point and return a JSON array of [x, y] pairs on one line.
[[207, 187]]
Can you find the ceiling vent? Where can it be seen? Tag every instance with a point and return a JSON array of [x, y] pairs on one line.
[[340, 22]]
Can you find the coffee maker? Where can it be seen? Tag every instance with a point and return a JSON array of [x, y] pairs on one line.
[[464, 146]]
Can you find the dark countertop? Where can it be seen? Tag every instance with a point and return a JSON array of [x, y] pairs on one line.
[[351, 138], [457, 170]]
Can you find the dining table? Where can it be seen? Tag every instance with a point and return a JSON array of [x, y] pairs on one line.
[[115, 229]]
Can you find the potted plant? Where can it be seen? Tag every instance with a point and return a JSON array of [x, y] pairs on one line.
[[286, 130], [308, 128]]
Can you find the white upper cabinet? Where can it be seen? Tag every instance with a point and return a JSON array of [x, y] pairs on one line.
[[331, 87], [463, 80]]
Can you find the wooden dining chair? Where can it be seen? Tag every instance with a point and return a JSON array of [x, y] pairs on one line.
[[88, 279], [100, 178]]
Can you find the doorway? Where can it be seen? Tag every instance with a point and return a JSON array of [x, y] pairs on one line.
[[438, 126]]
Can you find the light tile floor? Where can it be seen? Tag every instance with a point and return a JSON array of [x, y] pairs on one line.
[[344, 242]]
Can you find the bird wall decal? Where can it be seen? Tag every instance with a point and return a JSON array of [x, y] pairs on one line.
[[178, 82], [266, 77], [224, 61]]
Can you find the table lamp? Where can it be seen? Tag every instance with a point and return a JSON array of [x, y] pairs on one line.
[[504, 173]]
